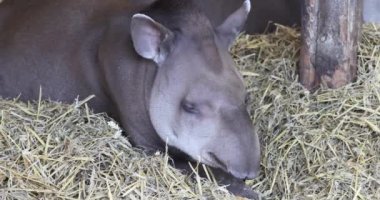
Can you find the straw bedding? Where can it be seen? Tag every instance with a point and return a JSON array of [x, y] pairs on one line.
[[324, 145]]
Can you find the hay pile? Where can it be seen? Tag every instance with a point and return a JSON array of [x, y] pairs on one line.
[[54, 151], [314, 146], [324, 145]]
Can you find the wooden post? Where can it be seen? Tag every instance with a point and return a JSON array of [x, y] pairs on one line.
[[330, 32]]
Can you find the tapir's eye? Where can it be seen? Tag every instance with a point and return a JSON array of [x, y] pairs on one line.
[[189, 107]]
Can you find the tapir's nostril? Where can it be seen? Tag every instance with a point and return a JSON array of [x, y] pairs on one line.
[[244, 174], [218, 161]]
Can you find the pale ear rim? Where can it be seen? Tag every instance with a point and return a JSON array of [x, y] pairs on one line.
[[165, 35], [140, 15], [247, 5]]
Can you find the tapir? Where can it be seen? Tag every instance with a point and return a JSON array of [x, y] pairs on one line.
[[160, 68], [371, 11]]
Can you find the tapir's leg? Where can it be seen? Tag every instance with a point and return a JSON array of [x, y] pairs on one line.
[[330, 32]]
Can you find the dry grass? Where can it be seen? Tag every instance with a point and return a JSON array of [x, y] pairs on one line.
[[54, 151], [324, 145]]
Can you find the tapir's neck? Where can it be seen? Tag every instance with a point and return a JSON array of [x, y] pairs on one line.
[[130, 79]]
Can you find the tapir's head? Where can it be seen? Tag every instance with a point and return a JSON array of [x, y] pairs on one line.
[[197, 102]]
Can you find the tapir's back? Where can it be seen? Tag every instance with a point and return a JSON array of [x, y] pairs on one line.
[[53, 44]]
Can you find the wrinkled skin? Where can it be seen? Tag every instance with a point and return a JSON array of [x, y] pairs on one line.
[[162, 70]]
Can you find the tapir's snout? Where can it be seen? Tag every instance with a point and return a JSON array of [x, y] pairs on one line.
[[239, 165], [237, 151], [249, 168]]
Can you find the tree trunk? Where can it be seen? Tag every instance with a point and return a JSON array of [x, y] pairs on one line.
[[330, 32]]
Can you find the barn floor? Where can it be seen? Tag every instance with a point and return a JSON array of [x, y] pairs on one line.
[[324, 145]]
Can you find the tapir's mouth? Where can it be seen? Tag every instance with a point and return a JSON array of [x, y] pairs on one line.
[[214, 161], [209, 158], [217, 162]]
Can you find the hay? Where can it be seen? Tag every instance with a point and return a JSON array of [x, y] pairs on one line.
[[54, 151], [324, 145]]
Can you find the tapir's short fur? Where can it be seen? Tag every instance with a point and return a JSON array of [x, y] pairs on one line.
[[162, 70]]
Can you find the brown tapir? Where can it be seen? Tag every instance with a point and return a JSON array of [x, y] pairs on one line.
[[162, 70]]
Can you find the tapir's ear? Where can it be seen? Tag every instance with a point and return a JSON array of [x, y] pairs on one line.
[[150, 38], [234, 23]]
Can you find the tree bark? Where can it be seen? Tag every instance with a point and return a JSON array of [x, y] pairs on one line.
[[330, 33]]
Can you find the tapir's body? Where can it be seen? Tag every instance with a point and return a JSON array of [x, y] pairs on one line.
[[162, 70], [76, 49], [371, 11]]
